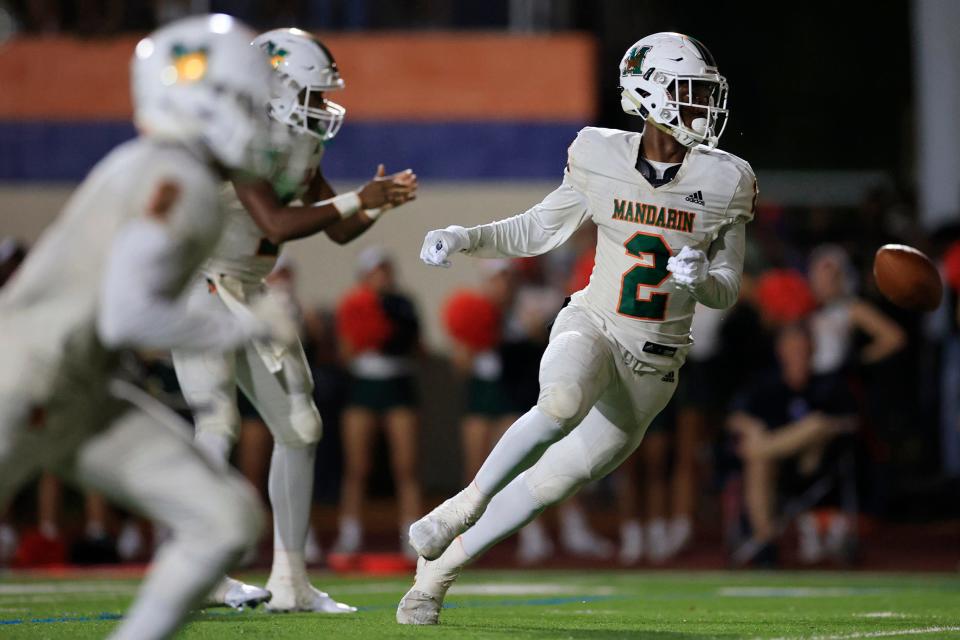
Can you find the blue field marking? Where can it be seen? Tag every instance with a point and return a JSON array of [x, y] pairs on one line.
[[471, 604], [102, 617]]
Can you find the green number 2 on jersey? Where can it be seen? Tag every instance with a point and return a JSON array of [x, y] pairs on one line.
[[636, 300]]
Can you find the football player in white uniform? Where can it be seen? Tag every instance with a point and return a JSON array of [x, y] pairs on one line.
[[295, 202], [671, 211], [107, 275]]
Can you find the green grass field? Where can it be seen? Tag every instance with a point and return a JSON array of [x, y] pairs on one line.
[[499, 604]]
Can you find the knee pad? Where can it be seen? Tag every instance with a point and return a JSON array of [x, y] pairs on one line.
[[305, 426], [560, 400]]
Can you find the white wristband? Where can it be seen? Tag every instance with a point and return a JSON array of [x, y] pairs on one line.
[[347, 203], [373, 214]]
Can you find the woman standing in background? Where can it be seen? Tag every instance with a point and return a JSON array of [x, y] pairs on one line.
[[380, 337]]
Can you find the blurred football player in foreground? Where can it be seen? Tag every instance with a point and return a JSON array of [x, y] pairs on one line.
[[106, 276], [671, 212], [294, 201]]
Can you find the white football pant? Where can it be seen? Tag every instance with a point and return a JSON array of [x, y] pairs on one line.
[[136, 452], [595, 405], [209, 382]]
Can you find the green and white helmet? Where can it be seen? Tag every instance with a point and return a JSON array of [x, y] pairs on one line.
[[661, 74], [306, 67], [198, 81]]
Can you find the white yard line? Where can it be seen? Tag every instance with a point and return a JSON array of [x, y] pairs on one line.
[[33, 588], [528, 589], [797, 592], [918, 631]]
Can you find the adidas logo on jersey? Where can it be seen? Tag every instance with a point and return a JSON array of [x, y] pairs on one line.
[[696, 198]]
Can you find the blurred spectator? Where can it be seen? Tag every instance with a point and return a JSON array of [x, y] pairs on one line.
[[783, 296], [671, 491], [950, 364], [833, 282], [329, 393], [652, 539], [47, 544], [782, 426], [380, 336], [697, 402], [473, 320]]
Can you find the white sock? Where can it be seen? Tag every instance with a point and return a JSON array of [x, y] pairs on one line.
[[534, 534], [632, 527], [507, 512], [573, 520], [350, 535], [49, 530], [215, 446], [8, 542], [657, 540], [405, 533], [681, 528], [291, 493], [94, 530], [631, 541], [521, 446], [288, 567]]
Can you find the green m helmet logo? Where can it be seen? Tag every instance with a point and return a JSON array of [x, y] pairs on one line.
[[635, 62], [276, 53]]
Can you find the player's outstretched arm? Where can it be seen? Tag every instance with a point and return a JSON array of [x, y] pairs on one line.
[[404, 189], [281, 223], [537, 231]]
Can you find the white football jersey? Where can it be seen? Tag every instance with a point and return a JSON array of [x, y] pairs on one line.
[[48, 309], [640, 227], [631, 293], [243, 251]]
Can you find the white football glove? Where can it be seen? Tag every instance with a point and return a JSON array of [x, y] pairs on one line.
[[441, 243], [689, 267], [275, 315]]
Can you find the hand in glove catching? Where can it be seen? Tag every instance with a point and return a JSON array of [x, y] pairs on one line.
[[689, 267]]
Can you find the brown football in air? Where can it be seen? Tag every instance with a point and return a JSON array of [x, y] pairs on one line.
[[907, 277]]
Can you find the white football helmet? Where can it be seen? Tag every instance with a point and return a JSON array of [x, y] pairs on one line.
[[667, 72], [198, 80], [306, 67]]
